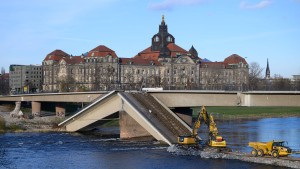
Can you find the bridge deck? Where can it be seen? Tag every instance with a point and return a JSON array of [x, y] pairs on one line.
[[150, 113], [161, 117]]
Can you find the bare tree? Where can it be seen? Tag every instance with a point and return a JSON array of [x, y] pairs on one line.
[[66, 84], [97, 77], [297, 84], [164, 83], [157, 81], [280, 83], [254, 75], [130, 80], [4, 83], [108, 77]]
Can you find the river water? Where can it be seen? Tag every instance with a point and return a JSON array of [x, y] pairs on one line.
[[75, 150]]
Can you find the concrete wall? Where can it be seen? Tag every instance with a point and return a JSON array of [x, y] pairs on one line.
[[184, 98], [197, 99], [270, 100], [95, 113], [36, 108], [129, 128], [54, 97]]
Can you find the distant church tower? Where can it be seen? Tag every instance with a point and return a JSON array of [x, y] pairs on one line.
[[267, 70]]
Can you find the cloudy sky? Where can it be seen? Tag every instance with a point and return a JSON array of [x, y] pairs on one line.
[[254, 29]]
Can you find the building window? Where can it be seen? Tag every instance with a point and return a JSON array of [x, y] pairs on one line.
[[156, 39], [169, 39]]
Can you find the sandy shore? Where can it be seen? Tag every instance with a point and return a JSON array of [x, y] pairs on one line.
[[37, 124]]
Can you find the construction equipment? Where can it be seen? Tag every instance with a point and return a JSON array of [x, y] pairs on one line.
[[214, 139], [272, 148]]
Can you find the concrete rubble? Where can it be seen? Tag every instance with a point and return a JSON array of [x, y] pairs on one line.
[[213, 154]]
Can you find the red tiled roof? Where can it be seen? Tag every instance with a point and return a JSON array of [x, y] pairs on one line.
[[56, 55], [74, 59], [138, 61], [147, 54], [153, 55], [101, 51], [175, 48], [235, 59]]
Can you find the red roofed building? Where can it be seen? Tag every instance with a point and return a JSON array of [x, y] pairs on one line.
[[101, 51], [163, 64], [235, 59], [163, 46]]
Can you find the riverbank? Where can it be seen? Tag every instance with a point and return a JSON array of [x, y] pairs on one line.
[[248, 113], [49, 123], [37, 124], [213, 154]]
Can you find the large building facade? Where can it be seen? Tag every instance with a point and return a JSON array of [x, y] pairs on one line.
[[163, 64], [25, 78]]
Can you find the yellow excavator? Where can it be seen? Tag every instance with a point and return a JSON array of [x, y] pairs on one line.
[[214, 139]]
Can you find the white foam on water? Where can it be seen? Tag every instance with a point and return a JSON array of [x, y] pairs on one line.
[[138, 148]]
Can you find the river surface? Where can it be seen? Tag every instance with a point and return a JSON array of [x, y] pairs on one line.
[[74, 150]]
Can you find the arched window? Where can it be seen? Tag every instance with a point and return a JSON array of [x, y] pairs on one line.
[[156, 39], [169, 39]]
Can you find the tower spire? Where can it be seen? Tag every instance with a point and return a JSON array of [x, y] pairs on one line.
[[267, 70], [163, 20]]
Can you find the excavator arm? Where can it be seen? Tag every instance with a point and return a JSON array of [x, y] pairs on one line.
[[214, 139]]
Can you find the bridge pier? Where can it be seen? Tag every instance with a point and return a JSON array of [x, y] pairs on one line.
[[129, 128], [60, 110], [16, 111], [36, 108]]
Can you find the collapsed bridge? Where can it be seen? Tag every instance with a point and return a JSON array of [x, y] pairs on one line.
[[140, 114]]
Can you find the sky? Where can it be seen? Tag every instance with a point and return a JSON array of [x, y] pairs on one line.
[[254, 29]]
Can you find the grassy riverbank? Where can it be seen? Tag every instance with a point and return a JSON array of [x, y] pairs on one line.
[[2, 124], [251, 112]]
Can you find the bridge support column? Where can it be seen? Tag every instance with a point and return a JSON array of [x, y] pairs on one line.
[[185, 113], [36, 108], [15, 112], [60, 110], [129, 128]]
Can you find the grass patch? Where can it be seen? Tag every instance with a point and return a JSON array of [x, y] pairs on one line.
[[111, 123], [251, 112], [2, 125], [14, 128]]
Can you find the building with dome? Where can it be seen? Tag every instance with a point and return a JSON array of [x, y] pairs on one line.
[[163, 64]]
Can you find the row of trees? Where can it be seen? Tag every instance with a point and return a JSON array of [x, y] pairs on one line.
[[4, 83], [277, 83]]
